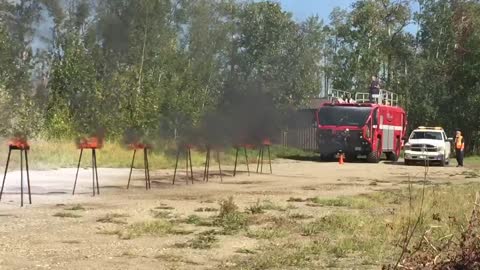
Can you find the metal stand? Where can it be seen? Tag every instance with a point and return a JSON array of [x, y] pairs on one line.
[[260, 158], [22, 150], [148, 184], [188, 164], [236, 159], [206, 172], [94, 172]]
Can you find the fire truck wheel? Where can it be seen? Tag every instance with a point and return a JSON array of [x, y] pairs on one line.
[[374, 156], [392, 157]]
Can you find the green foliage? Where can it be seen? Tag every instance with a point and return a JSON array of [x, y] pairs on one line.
[[160, 66]]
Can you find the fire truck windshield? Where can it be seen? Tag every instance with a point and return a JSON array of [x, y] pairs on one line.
[[343, 116]]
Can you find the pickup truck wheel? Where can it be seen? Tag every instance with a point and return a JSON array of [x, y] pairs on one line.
[[442, 162]]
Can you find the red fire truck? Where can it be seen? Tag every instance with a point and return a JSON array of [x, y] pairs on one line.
[[362, 129]]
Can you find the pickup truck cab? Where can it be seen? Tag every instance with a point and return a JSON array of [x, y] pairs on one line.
[[428, 144]]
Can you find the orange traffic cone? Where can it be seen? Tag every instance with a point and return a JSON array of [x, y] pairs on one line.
[[340, 159]]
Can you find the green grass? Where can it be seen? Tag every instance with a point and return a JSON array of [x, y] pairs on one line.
[[364, 230], [150, 228], [63, 153]]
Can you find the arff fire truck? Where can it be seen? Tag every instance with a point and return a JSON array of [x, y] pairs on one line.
[[362, 129]]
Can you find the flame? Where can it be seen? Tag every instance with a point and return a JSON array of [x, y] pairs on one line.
[[90, 143], [19, 143]]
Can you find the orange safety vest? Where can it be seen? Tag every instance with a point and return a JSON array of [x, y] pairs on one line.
[[459, 144]]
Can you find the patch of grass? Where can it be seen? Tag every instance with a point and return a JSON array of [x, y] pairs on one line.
[[337, 202], [204, 240], [66, 215], [152, 228], [229, 218], [113, 218], [358, 202], [299, 216], [366, 236], [164, 207], [232, 222], [161, 214], [269, 205], [206, 209], [76, 207], [293, 199], [267, 233], [199, 221]]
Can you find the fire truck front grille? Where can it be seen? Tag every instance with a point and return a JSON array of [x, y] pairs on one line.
[[424, 148]]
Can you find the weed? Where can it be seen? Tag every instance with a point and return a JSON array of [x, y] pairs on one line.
[[232, 222], [255, 208], [204, 240], [66, 215], [227, 207], [76, 207]]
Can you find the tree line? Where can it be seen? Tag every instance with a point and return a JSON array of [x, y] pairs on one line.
[[68, 67]]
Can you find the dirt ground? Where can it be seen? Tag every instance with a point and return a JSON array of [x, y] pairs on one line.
[[33, 238]]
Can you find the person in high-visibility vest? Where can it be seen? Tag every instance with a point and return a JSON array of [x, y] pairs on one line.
[[459, 148]]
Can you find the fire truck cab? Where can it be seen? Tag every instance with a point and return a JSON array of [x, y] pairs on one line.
[[362, 129]]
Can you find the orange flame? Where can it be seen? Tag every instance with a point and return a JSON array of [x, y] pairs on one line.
[[90, 143], [266, 141], [19, 143]]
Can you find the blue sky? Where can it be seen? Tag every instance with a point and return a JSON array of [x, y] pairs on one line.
[[302, 9]]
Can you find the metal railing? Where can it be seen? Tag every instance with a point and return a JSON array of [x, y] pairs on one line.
[[334, 95], [385, 97]]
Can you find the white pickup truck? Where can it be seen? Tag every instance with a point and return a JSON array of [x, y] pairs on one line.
[[428, 143]]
